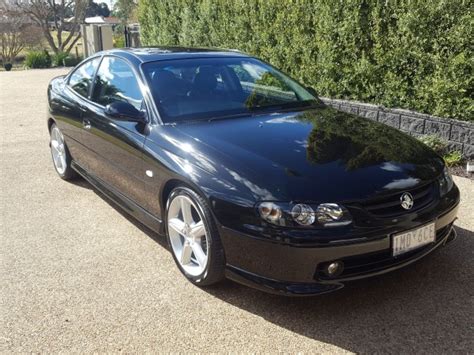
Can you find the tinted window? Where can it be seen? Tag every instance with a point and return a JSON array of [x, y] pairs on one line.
[[81, 79], [115, 81], [214, 87]]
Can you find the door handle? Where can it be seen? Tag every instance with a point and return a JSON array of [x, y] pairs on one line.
[[86, 124]]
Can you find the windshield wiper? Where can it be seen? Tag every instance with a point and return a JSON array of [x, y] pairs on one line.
[[234, 115], [300, 105]]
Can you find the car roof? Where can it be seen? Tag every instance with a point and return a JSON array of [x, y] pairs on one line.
[[151, 54]]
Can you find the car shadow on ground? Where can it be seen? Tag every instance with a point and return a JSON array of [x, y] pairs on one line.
[[430, 301], [81, 182]]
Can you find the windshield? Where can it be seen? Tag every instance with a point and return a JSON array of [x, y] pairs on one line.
[[208, 88]]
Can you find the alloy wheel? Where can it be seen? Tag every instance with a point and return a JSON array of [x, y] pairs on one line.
[[188, 236], [58, 150]]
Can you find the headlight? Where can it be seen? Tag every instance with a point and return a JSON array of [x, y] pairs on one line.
[[445, 182], [331, 214], [270, 212], [303, 214], [300, 214]]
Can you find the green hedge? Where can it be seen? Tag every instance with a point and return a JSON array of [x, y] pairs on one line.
[[406, 53]]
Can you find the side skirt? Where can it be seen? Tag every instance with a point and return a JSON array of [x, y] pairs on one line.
[[122, 201]]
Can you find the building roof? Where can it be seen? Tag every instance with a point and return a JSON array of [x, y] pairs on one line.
[[102, 20]]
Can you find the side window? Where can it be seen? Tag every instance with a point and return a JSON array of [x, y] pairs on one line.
[[115, 81], [81, 79]]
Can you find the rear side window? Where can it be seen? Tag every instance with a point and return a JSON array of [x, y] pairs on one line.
[[115, 81], [81, 79]]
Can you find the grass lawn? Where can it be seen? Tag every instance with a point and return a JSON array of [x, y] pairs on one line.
[[64, 35], [44, 45], [18, 65]]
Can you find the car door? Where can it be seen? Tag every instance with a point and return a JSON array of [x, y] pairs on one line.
[[115, 146], [69, 109]]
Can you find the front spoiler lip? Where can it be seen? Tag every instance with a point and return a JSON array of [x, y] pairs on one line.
[[320, 287]]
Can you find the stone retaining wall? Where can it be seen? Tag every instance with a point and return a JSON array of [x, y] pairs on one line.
[[458, 134]]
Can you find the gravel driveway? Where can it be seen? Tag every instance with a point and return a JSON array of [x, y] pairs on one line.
[[77, 275]]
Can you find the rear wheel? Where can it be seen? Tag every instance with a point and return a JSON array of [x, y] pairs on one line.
[[60, 153], [193, 238]]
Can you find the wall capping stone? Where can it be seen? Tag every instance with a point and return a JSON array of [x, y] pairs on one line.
[[458, 134]]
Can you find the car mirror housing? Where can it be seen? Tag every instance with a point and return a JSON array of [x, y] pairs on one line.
[[124, 111]]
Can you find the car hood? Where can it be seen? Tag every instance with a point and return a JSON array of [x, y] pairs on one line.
[[315, 155]]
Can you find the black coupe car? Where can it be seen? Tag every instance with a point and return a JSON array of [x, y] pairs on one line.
[[247, 173]]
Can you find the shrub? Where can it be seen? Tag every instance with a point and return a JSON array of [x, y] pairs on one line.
[[38, 59], [435, 143], [72, 61], [453, 158], [409, 54], [64, 59], [119, 40], [59, 58]]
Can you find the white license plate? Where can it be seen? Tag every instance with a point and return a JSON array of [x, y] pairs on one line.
[[408, 241]]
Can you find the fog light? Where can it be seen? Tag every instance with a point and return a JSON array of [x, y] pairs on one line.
[[335, 268]]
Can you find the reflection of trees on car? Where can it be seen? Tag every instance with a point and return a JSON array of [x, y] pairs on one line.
[[82, 86], [337, 136], [106, 93], [241, 73], [271, 80], [266, 90]]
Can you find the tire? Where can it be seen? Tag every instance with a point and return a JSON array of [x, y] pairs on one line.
[[60, 154], [184, 241]]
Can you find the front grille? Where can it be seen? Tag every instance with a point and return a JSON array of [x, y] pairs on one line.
[[390, 206], [369, 263]]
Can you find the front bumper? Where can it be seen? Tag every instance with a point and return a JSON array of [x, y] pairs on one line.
[[288, 269]]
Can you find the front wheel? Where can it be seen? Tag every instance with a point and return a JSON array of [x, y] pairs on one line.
[[193, 238], [60, 153]]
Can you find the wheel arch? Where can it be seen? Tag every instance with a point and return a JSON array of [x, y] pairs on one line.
[[169, 186], [51, 121]]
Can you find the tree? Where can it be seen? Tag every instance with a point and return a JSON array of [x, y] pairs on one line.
[[125, 10], [104, 9], [62, 15], [95, 9], [16, 33]]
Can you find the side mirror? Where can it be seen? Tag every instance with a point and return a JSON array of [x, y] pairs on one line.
[[124, 111]]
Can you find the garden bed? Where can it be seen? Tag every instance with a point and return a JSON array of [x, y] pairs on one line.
[[461, 171]]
